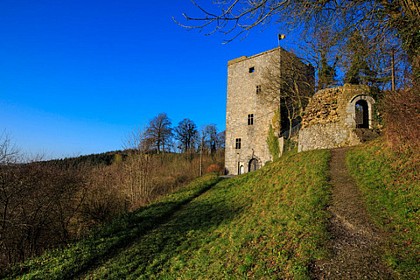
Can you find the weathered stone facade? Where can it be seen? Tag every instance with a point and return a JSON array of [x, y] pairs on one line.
[[333, 115], [248, 115]]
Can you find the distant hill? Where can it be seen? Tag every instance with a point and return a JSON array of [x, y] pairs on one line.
[[106, 158]]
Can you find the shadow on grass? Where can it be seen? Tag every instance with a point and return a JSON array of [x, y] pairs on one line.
[[185, 232], [108, 241], [134, 227]]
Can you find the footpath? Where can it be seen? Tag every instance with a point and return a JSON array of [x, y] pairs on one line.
[[355, 244]]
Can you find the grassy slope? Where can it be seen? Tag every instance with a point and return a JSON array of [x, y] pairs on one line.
[[390, 184], [78, 257], [266, 224]]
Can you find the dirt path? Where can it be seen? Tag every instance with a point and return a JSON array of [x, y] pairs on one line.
[[355, 243]]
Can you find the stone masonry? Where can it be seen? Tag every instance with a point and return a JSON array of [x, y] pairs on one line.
[[332, 118], [248, 116]]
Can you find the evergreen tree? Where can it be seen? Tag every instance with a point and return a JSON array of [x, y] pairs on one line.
[[326, 72], [359, 71]]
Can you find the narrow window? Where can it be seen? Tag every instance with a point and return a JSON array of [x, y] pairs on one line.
[[251, 119], [238, 143], [258, 89], [251, 70]]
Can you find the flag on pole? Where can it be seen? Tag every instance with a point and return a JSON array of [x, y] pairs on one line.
[[281, 36]]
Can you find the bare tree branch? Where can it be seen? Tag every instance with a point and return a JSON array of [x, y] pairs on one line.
[[8, 151], [379, 20], [288, 82]]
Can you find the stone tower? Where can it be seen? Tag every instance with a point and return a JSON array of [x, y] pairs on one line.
[[248, 114]]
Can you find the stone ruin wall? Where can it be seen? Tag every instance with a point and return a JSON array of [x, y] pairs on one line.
[[328, 121]]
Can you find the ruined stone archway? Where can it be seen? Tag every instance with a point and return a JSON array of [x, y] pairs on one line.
[[359, 112], [338, 117]]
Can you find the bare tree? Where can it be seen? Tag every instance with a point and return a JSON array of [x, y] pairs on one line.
[[326, 58], [186, 133], [138, 169], [209, 134], [38, 203], [221, 139], [290, 83], [381, 20], [9, 153], [158, 133]]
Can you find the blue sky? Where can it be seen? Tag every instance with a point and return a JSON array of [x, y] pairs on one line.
[[77, 77]]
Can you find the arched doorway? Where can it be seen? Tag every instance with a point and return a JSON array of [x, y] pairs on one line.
[[362, 114], [253, 165]]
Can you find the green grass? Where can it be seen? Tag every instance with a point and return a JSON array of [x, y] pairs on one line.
[[391, 188], [267, 224]]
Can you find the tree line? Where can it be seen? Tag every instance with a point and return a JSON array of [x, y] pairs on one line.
[[159, 136]]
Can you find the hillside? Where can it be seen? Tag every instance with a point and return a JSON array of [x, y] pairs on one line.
[[297, 218], [265, 224]]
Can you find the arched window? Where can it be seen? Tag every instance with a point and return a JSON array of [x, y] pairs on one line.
[[362, 114]]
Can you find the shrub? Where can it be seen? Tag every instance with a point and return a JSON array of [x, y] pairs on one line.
[[216, 168], [103, 200], [38, 204], [401, 112], [290, 145], [273, 143]]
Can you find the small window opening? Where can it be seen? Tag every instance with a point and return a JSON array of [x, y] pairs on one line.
[[251, 119], [251, 69], [238, 143], [258, 89]]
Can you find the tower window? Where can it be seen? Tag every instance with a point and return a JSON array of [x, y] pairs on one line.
[[238, 143], [250, 119], [251, 69], [258, 89]]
